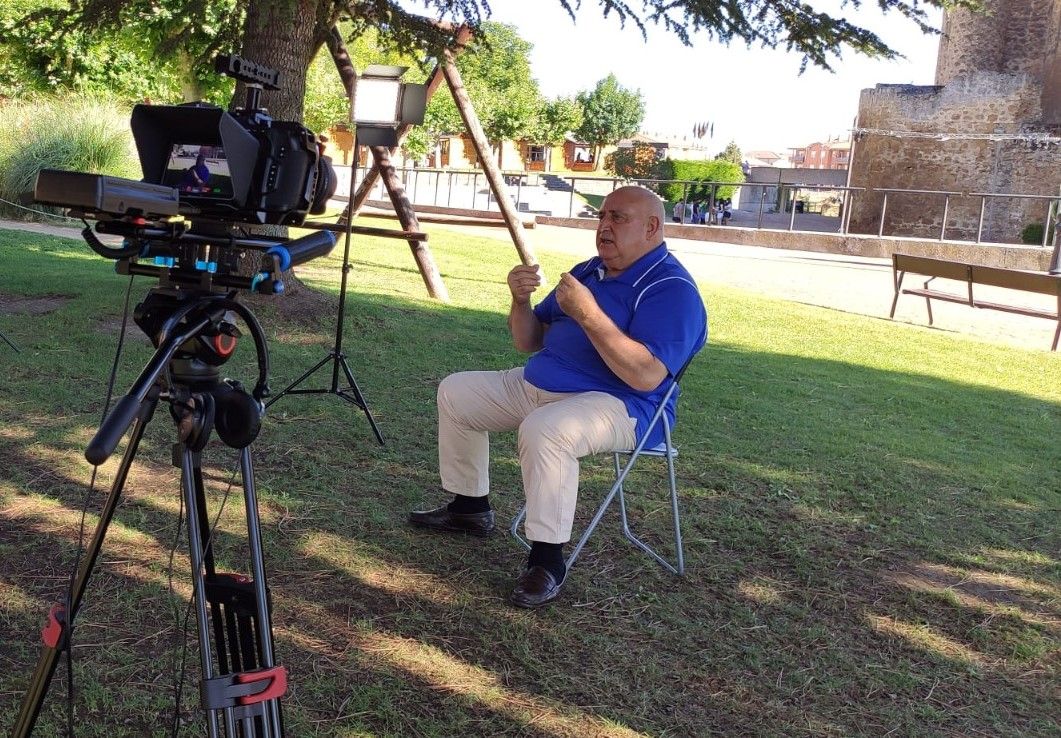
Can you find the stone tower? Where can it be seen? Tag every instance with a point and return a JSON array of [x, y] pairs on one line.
[[998, 74]]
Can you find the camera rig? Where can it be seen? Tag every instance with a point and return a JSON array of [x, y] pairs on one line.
[[207, 173]]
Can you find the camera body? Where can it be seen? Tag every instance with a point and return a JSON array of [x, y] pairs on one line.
[[205, 163], [241, 166], [206, 172]]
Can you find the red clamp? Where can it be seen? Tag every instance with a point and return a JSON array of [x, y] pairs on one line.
[[53, 630], [276, 678]]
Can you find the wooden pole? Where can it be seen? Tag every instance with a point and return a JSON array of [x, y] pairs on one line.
[[436, 288], [482, 149], [406, 215]]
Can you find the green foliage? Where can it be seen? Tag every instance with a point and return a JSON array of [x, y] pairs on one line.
[[441, 118], [162, 49], [326, 104], [554, 119], [1033, 234], [640, 161], [609, 112], [132, 51], [75, 133], [496, 70], [715, 170], [731, 153]]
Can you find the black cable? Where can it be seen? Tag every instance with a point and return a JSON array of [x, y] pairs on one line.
[[69, 640], [35, 211]]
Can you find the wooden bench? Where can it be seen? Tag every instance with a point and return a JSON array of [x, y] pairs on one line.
[[1013, 279]]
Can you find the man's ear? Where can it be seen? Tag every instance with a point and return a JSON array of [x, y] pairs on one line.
[[655, 225]]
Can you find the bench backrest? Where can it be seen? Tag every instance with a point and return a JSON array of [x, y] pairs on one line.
[[1014, 279]]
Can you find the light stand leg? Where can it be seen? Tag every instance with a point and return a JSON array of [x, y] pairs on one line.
[[8, 342], [351, 394], [56, 640]]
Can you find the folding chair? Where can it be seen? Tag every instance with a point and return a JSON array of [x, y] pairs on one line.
[[665, 450]]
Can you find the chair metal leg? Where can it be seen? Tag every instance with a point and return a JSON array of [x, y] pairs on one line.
[[617, 490], [672, 480], [514, 528], [569, 562]]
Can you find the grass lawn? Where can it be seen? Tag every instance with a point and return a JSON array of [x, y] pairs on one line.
[[870, 512]]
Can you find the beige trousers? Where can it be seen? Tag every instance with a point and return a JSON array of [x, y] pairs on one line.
[[555, 429]]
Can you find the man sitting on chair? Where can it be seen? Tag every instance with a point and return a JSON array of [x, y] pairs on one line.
[[609, 340]]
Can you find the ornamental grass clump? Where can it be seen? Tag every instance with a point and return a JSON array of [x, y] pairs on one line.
[[75, 133]]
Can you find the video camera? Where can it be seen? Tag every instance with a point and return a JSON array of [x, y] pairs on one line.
[[205, 172]]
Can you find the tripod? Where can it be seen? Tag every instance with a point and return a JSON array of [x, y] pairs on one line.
[[194, 334], [337, 359]]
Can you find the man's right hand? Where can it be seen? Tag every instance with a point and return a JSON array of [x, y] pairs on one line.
[[522, 281]]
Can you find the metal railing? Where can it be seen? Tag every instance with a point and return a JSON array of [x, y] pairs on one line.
[[547, 192]]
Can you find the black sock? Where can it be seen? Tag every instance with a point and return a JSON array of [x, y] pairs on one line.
[[465, 505], [550, 556]]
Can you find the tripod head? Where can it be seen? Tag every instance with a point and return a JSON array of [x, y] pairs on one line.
[[194, 333]]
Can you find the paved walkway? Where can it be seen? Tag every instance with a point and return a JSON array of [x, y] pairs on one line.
[[850, 284], [846, 283]]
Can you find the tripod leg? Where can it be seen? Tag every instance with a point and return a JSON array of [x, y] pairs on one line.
[[241, 684], [198, 526], [56, 634], [261, 598], [358, 399]]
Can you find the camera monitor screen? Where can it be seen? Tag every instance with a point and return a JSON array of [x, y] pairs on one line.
[[199, 171]]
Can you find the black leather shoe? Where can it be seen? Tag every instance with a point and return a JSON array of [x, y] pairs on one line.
[[535, 587], [476, 524]]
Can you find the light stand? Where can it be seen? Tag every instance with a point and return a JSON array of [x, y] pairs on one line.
[[382, 103]]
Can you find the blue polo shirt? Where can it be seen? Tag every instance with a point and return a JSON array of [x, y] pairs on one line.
[[654, 301]]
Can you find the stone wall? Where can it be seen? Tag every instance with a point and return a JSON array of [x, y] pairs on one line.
[[1013, 37], [983, 103], [998, 73]]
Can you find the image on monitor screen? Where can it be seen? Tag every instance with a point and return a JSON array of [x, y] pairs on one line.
[[200, 171]]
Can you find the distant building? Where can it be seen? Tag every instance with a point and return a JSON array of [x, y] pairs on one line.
[[763, 158], [669, 147], [829, 154]]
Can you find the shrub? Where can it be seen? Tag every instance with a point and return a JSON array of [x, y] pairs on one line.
[[717, 170], [61, 133], [1033, 234], [641, 161]]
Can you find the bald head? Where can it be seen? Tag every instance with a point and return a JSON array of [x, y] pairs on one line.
[[644, 198], [631, 225]]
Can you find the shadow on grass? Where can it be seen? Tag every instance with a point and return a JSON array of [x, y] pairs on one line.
[[868, 551]]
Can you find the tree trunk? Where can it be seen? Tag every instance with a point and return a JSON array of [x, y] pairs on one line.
[[284, 35], [280, 34]]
